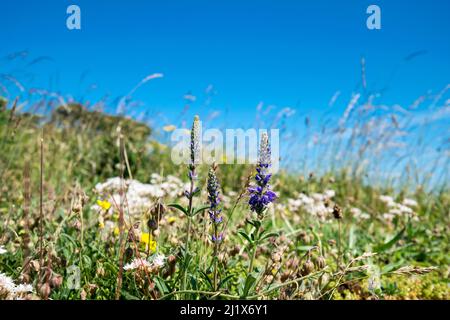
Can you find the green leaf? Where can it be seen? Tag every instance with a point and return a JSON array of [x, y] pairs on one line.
[[161, 285], [249, 282], [245, 235], [193, 282], [255, 223], [195, 212], [390, 243], [224, 280], [269, 235], [208, 280], [128, 296], [179, 207]]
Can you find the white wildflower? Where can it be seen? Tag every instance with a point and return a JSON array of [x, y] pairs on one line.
[[329, 194], [404, 209], [139, 196], [387, 199], [359, 214], [10, 291], [356, 212], [6, 283], [23, 288], [136, 264], [410, 202], [159, 260], [2, 250]]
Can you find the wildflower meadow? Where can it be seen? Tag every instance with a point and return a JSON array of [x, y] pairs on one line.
[[108, 199]]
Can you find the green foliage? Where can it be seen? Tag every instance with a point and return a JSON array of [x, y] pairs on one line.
[[294, 253]]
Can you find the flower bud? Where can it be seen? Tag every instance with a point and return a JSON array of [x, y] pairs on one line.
[[56, 281], [308, 267], [34, 264], [321, 263], [337, 212], [44, 290]]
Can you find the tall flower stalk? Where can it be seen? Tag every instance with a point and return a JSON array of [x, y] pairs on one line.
[[190, 211], [261, 196], [215, 216], [194, 161]]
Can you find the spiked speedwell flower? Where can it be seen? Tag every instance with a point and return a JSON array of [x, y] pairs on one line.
[[195, 142], [214, 201], [260, 194], [195, 155]]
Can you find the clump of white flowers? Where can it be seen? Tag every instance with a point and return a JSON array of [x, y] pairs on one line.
[[10, 291], [2, 250], [156, 262], [316, 204], [139, 196], [137, 263], [359, 214], [405, 208]]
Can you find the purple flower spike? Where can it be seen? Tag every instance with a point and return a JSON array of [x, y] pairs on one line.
[[260, 194], [214, 201]]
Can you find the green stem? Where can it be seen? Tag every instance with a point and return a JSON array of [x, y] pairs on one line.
[[188, 239], [252, 259], [339, 244], [215, 266], [188, 231], [216, 251], [254, 246]]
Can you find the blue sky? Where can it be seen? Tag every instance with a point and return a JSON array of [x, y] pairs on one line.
[[285, 53], [275, 54]]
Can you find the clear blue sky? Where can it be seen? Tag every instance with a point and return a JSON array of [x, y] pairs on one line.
[[286, 53]]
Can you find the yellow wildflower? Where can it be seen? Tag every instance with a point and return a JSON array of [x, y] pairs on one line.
[[101, 225], [116, 231], [104, 204], [146, 239], [171, 219]]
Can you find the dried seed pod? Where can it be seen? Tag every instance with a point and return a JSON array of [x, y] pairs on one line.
[[56, 281], [284, 276], [234, 250], [76, 225], [158, 209], [152, 224], [308, 267], [44, 290], [337, 212], [83, 295], [276, 257], [292, 263], [171, 262], [34, 265], [321, 263], [304, 237], [25, 278], [100, 271], [128, 254]]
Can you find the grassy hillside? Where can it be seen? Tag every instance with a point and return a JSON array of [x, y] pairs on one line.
[[92, 207]]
